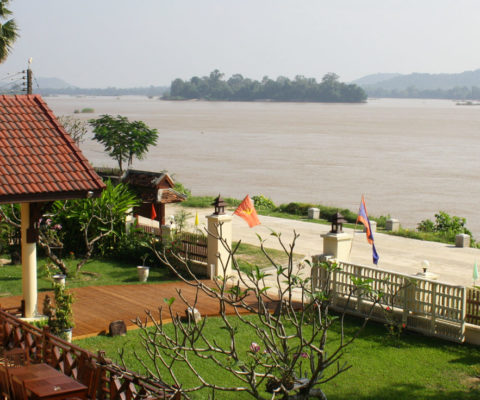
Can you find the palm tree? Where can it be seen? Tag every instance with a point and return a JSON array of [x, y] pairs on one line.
[[8, 31]]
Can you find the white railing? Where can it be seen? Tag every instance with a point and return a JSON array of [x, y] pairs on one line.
[[423, 305]]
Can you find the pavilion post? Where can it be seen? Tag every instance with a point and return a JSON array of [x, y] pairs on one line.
[[29, 264]]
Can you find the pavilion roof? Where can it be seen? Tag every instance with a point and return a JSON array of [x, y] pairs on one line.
[[39, 161]]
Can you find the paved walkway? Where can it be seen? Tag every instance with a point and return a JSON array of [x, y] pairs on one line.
[[451, 264]]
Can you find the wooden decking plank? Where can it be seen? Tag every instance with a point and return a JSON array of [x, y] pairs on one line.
[[96, 306]]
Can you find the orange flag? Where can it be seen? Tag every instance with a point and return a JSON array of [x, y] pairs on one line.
[[154, 212], [247, 211]]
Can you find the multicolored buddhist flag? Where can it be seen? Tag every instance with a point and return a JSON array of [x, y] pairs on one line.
[[363, 218], [247, 211], [196, 219], [154, 212]]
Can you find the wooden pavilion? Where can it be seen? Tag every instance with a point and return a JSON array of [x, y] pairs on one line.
[[39, 163]]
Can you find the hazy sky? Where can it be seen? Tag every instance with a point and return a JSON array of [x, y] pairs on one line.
[[100, 43]]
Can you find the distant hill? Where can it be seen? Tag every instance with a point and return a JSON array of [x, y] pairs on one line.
[[52, 83], [461, 86], [420, 81], [374, 78]]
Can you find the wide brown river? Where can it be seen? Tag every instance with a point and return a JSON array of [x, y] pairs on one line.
[[411, 158]]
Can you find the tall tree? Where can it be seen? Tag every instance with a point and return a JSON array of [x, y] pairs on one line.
[[8, 31], [123, 140]]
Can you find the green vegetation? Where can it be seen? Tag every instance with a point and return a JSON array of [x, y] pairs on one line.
[[238, 88], [87, 110], [94, 273], [8, 31], [206, 201], [249, 256], [122, 139], [443, 229], [416, 367]]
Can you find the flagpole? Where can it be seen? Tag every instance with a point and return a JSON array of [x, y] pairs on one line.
[[353, 238]]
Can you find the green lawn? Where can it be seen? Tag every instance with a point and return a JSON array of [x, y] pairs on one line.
[[248, 255], [417, 368], [94, 273]]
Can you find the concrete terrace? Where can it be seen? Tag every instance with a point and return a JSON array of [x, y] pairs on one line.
[[451, 264]]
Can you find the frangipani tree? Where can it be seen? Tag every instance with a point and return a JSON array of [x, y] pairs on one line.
[[287, 356]]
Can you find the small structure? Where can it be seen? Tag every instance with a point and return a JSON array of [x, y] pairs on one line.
[[336, 243], [155, 189], [39, 163], [462, 240], [392, 225], [313, 213]]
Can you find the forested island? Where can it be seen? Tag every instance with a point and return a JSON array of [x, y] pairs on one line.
[[238, 88]]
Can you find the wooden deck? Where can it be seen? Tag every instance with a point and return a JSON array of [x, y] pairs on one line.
[[96, 306]]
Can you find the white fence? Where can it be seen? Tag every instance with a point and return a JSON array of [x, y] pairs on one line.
[[423, 305]]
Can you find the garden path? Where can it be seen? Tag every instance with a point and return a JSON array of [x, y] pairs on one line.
[[451, 264]]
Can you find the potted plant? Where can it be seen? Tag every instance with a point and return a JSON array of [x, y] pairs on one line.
[[60, 315], [142, 270]]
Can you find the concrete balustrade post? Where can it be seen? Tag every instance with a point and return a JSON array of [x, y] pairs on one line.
[[219, 228]]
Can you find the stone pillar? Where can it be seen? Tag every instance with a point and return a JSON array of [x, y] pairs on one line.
[[462, 240], [29, 265], [392, 224], [313, 213], [337, 245], [219, 225]]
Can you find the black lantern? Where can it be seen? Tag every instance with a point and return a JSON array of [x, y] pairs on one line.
[[337, 223], [219, 206]]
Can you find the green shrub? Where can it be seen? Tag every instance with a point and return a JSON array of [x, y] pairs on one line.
[[262, 202], [88, 110]]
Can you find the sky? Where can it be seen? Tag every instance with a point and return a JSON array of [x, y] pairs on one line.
[[103, 43]]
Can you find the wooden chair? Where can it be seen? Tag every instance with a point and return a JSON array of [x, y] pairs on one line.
[[4, 383], [18, 391], [88, 373]]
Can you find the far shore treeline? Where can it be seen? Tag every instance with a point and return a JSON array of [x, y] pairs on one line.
[[238, 88]]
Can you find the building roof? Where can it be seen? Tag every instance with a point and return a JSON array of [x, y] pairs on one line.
[[38, 159], [153, 186], [147, 179]]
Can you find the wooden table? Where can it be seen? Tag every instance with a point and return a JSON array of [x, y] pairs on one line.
[[44, 382]]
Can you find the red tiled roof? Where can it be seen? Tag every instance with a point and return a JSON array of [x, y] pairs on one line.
[[38, 159]]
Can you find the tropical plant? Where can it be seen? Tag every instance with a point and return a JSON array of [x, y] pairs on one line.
[[93, 223], [123, 140], [60, 314], [294, 334], [8, 31]]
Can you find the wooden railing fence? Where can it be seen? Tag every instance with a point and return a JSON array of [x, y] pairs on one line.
[[116, 382], [189, 244], [193, 246], [427, 306]]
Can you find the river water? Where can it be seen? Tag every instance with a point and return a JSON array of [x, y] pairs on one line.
[[411, 158]]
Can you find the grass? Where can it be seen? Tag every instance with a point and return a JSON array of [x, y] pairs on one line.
[[248, 256], [416, 367], [94, 273], [206, 201]]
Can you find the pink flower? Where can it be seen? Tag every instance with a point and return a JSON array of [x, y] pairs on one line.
[[57, 227], [404, 326], [254, 347], [388, 309], [48, 221], [304, 355]]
